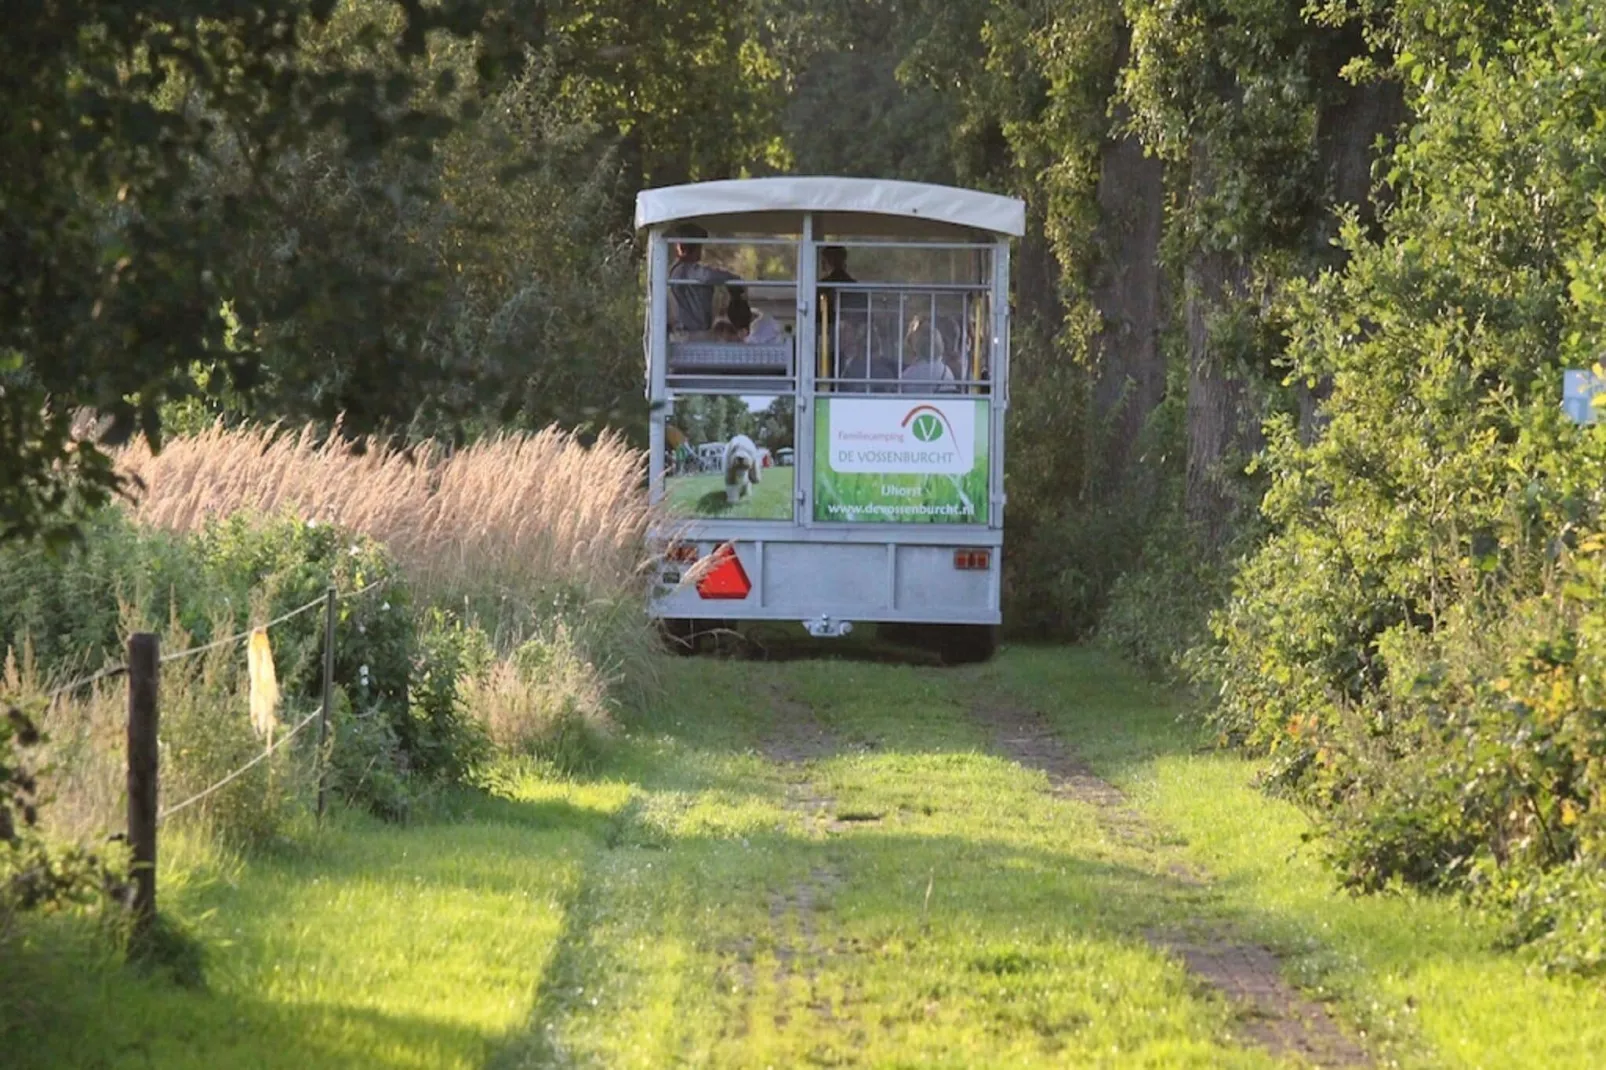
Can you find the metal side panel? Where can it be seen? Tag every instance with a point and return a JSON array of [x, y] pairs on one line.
[[852, 581]]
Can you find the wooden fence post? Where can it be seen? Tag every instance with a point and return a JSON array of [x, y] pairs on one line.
[[328, 695], [144, 671]]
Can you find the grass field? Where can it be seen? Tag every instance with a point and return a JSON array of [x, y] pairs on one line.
[[704, 495], [798, 863]]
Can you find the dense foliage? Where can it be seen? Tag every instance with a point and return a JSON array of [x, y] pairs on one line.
[[1417, 640]]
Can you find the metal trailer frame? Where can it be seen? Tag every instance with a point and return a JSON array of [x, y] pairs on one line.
[[827, 575]]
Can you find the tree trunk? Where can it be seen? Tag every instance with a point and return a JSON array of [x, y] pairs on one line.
[[1223, 426], [1128, 292]]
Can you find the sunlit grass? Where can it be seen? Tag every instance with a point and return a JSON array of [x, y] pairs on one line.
[[1420, 972], [371, 946], [520, 514], [704, 495], [965, 918], [907, 899]]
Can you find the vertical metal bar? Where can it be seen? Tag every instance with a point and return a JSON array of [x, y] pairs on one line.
[[808, 273], [327, 707], [869, 329], [657, 358], [903, 325], [999, 381], [144, 669], [758, 571], [834, 305]]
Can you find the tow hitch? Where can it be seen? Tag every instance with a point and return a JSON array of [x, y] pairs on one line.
[[823, 627]]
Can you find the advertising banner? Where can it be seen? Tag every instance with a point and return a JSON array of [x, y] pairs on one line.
[[900, 461], [730, 456]]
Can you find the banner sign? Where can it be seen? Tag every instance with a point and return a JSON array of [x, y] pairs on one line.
[[900, 461]]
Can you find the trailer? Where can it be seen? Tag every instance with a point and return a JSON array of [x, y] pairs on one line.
[[860, 329]]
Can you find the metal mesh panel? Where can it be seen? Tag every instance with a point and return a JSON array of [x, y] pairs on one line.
[[735, 357]]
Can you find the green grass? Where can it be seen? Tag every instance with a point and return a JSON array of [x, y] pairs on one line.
[[1025, 951], [1421, 973], [704, 496], [908, 900], [369, 946]]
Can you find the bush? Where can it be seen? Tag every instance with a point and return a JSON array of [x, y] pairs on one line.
[[546, 701], [68, 605], [447, 744], [1160, 609], [206, 735], [367, 764], [1418, 643]]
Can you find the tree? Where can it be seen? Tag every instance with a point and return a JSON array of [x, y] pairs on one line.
[[119, 245]]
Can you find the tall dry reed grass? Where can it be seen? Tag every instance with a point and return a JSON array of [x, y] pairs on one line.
[[515, 516]]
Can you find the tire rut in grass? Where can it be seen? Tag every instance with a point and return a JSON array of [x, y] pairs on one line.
[[1272, 1013], [794, 738]]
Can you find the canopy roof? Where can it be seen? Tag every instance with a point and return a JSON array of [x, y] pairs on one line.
[[785, 199]]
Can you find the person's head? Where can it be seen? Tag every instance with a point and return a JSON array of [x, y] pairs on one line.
[[917, 342], [688, 250], [835, 258]]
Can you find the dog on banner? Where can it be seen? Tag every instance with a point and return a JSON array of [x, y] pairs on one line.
[[741, 468]]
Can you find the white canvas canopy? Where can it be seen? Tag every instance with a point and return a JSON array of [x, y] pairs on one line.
[[842, 199]]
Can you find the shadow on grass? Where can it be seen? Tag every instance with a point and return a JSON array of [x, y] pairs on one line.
[[987, 902], [66, 1002]]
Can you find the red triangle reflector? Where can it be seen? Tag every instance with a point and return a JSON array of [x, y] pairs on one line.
[[726, 578]]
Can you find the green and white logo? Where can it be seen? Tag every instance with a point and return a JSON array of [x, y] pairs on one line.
[[927, 427]]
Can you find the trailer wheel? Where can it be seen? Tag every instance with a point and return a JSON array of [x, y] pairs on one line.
[[966, 644]]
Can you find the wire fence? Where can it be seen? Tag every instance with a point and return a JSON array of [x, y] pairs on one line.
[[113, 671], [275, 745], [142, 668]]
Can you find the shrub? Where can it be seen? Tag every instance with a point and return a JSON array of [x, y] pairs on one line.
[[68, 605], [448, 744], [267, 565], [32, 872], [546, 701], [1160, 609], [368, 766], [206, 735], [1418, 643]]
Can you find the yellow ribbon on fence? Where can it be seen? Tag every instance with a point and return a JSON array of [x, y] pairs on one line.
[[264, 685]]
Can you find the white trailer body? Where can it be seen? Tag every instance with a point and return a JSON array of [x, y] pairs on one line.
[[881, 374]]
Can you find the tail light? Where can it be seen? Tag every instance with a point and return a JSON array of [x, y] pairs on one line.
[[973, 560]]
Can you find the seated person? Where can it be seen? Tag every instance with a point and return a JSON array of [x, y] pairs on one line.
[[840, 312], [691, 308], [925, 359], [754, 326]]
